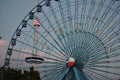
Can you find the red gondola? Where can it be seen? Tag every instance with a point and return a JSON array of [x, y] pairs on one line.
[[36, 22]]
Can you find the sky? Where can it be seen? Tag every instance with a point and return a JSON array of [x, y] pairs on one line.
[[11, 14]]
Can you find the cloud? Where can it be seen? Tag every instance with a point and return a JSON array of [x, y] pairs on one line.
[[3, 50], [3, 43]]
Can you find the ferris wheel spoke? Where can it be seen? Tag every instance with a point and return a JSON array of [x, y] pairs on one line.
[[83, 13], [61, 13], [114, 48], [88, 76], [55, 70], [108, 61], [111, 18], [113, 55], [58, 36], [51, 65], [102, 18], [94, 55], [18, 60], [64, 73], [69, 26], [111, 37], [91, 10], [101, 53], [23, 52], [64, 24], [106, 58], [97, 12], [53, 61], [56, 66], [96, 60], [56, 19], [68, 8], [78, 44], [102, 75], [72, 21], [56, 54], [89, 39], [37, 49], [58, 71], [104, 71], [55, 74], [110, 55], [82, 56], [54, 32], [107, 30], [70, 45], [49, 68], [88, 45], [76, 12], [92, 75], [97, 46], [48, 73], [56, 58], [66, 27], [51, 37], [49, 42], [86, 40], [106, 66], [110, 46]]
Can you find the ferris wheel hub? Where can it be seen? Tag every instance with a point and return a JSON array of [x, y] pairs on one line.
[[71, 62]]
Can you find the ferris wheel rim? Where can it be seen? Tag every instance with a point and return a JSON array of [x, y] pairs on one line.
[[63, 53]]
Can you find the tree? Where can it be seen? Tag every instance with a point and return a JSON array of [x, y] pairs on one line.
[[13, 74], [0, 37], [34, 75]]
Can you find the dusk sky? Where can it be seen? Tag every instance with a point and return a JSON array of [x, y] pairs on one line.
[[11, 14], [56, 33]]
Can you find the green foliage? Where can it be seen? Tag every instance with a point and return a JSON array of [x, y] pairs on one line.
[[12, 74], [0, 37]]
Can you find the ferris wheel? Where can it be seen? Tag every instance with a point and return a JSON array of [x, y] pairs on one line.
[[69, 40]]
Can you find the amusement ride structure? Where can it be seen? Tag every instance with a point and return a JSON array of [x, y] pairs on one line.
[[69, 40]]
